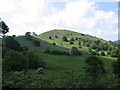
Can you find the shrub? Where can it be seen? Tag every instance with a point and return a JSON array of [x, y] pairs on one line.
[[65, 38], [71, 42], [36, 43], [56, 36], [14, 61], [116, 67], [74, 51], [53, 43], [34, 60], [94, 67], [50, 37], [102, 53], [28, 35], [11, 43], [72, 39], [76, 38]]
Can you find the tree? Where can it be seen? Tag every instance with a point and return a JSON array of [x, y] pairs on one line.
[[76, 38], [103, 53], [36, 43], [54, 43], [50, 37], [65, 38], [56, 36], [3, 28], [74, 51], [116, 67], [79, 43], [34, 60], [11, 43], [94, 67], [71, 42], [28, 35], [72, 39], [15, 61], [33, 33]]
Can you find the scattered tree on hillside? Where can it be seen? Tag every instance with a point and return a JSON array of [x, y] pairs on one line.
[[28, 35], [103, 53], [3, 28], [53, 43], [33, 33], [94, 67], [65, 38], [72, 39], [74, 51], [56, 36], [76, 38], [50, 37], [79, 43], [71, 42]]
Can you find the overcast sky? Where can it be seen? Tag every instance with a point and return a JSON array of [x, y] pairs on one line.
[[85, 16]]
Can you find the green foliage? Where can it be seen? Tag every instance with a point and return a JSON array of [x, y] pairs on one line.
[[72, 39], [79, 43], [3, 28], [34, 61], [28, 35], [54, 43], [50, 37], [116, 67], [71, 42], [14, 61], [36, 43], [24, 80], [74, 51], [76, 38], [65, 38], [11, 43], [94, 67], [103, 53], [56, 36]]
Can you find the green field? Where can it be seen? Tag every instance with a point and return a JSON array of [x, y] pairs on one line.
[[63, 70]]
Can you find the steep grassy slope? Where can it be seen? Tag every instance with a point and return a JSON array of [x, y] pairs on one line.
[[43, 44], [86, 40]]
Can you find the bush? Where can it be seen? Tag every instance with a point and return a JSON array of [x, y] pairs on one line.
[[28, 35], [72, 39], [116, 67], [14, 61], [71, 42], [11, 43], [65, 38], [56, 36], [94, 67], [36, 43], [34, 61], [103, 53], [74, 51], [76, 38], [53, 43], [50, 37]]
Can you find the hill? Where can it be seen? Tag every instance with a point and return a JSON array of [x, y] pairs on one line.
[[86, 41]]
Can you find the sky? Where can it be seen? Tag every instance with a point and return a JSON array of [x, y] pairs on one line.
[[93, 17]]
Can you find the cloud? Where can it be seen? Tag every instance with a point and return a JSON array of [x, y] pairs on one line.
[[37, 15]]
